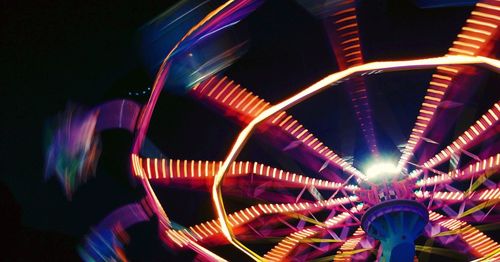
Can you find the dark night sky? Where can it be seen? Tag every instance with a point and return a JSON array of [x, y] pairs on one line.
[[86, 52]]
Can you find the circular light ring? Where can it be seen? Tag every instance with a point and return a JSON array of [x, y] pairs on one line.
[[314, 89], [145, 117]]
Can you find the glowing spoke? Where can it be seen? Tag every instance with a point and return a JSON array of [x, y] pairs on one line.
[[348, 248], [231, 97], [197, 170], [468, 43], [480, 244], [486, 194], [343, 32], [474, 133], [210, 228], [284, 247], [440, 195], [488, 165]]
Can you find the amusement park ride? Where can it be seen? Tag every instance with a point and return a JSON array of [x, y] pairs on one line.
[[377, 213]]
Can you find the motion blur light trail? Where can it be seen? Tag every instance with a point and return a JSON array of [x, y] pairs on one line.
[[74, 144], [107, 240], [73, 148], [334, 209], [340, 20]]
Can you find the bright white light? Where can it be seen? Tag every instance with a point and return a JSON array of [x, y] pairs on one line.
[[382, 169]]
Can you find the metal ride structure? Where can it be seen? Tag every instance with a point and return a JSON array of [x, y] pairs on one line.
[[374, 214]]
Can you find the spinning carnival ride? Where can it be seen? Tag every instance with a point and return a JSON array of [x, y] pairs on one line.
[[377, 214]]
